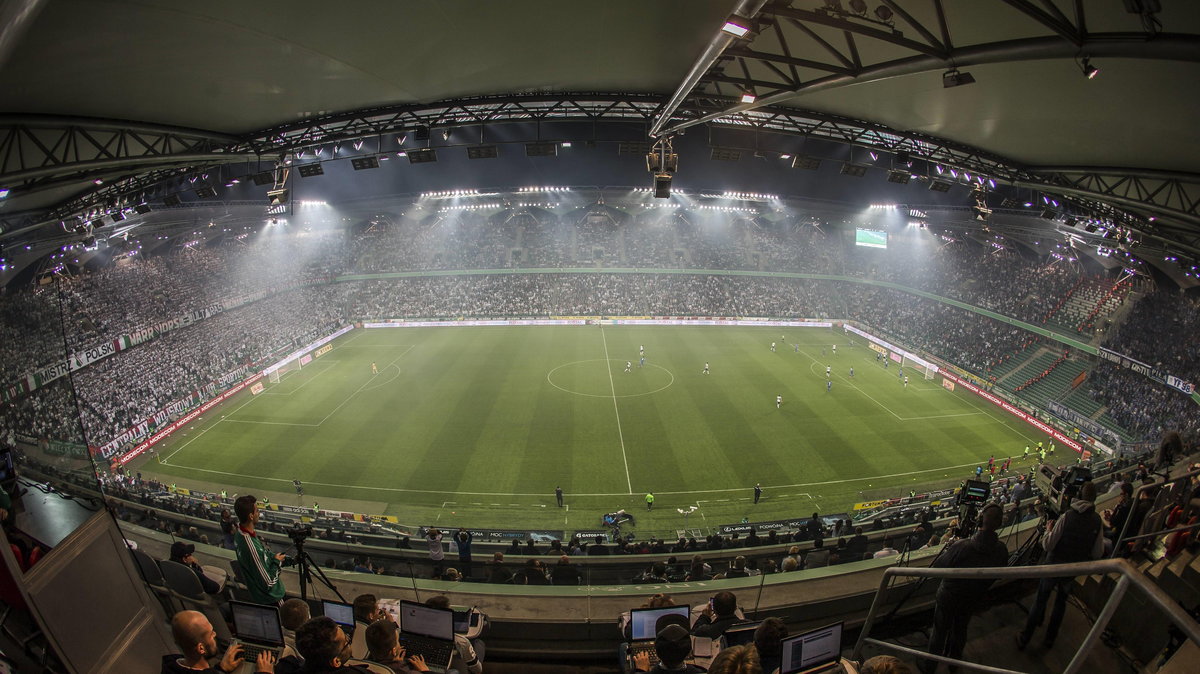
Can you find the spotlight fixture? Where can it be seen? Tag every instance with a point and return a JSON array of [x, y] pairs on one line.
[[940, 185], [206, 192], [421, 133], [483, 152], [853, 170], [902, 159], [541, 149], [277, 197], [1089, 71], [748, 97], [1010, 203], [310, 170], [663, 163], [264, 178], [884, 13], [364, 163], [858, 6], [899, 177], [142, 209], [662, 186], [806, 162], [954, 78], [117, 217], [1048, 214], [736, 26], [425, 156]]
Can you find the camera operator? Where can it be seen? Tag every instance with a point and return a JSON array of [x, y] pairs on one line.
[[1077, 536], [260, 568], [957, 596]]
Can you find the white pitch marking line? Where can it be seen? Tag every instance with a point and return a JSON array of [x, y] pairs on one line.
[[613, 385], [360, 388], [248, 401], [269, 423], [542, 494]]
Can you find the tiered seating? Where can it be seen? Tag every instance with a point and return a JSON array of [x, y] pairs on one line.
[[1054, 385], [1080, 401], [1013, 361], [1089, 304], [1031, 368]]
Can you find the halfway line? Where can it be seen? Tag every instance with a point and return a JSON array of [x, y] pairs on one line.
[[613, 386]]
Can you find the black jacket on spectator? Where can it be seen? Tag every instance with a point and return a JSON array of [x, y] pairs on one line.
[[713, 627]]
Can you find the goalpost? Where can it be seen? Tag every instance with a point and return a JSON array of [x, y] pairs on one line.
[[277, 374], [919, 366]]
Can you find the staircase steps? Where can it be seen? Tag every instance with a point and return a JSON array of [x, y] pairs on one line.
[[1030, 368]]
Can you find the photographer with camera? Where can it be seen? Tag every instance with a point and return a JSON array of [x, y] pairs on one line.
[[956, 597], [1077, 536], [259, 568]]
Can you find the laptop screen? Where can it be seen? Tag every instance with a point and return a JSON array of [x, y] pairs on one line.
[[643, 622], [812, 649], [342, 614], [462, 620], [255, 622], [741, 635], [429, 622]]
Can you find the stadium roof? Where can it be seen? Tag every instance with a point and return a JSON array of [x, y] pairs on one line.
[[107, 91]]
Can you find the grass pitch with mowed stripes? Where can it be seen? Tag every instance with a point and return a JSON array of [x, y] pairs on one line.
[[476, 426]]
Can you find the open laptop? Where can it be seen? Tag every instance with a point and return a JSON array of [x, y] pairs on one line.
[[342, 614], [819, 650], [428, 632], [257, 628], [643, 628], [741, 634]]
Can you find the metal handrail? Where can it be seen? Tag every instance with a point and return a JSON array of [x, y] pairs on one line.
[[1129, 575], [1161, 488]]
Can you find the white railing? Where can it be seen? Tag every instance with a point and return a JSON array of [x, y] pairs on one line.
[[1129, 576]]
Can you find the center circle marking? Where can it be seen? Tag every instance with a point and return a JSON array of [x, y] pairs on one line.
[[550, 379]]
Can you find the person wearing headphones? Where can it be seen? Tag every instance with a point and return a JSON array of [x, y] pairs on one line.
[[956, 597]]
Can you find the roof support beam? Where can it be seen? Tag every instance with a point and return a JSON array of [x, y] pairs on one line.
[[745, 8], [1115, 45]]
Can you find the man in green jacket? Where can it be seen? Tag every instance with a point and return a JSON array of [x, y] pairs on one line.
[[260, 568]]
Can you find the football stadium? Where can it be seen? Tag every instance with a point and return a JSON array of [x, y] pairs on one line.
[[328, 332]]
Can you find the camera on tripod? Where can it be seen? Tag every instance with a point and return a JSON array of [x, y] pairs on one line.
[[974, 494], [1064, 487], [299, 532]]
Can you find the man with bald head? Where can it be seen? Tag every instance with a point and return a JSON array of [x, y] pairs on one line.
[[197, 642]]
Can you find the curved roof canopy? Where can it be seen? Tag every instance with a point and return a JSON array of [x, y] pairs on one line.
[[103, 99]]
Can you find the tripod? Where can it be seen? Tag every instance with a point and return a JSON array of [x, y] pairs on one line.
[[306, 566]]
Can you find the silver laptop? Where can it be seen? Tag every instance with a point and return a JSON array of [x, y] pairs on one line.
[[257, 628], [643, 628], [428, 632], [817, 651], [342, 614]]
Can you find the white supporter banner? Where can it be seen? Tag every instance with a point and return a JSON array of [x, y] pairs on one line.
[[301, 351]]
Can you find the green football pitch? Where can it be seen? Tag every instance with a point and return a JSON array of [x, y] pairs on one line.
[[477, 425]]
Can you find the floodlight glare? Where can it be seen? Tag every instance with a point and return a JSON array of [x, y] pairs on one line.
[[748, 97], [736, 26]]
